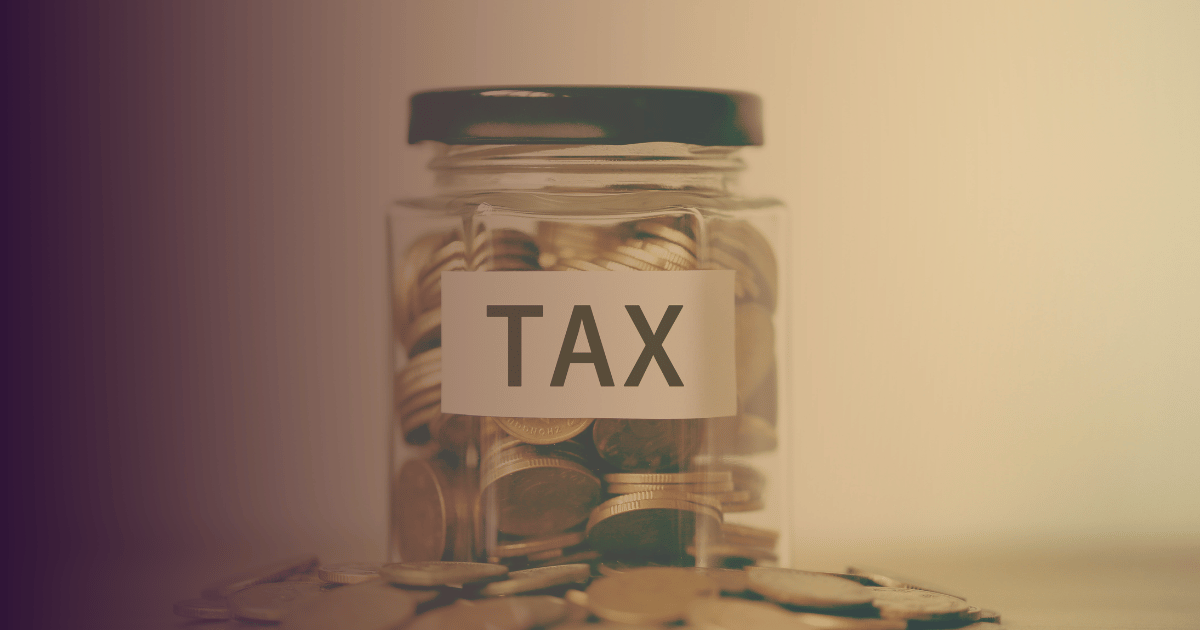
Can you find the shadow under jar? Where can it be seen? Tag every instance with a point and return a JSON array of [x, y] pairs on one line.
[[590, 329]]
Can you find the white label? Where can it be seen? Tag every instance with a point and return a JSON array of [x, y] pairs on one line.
[[577, 344]]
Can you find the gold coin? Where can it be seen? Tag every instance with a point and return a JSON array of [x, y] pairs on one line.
[[667, 233], [833, 622], [646, 445], [669, 252], [453, 431], [539, 496], [577, 264], [537, 579], [424, 332], [886, 578], [680, 495], [419, 511], [534, 545], [549, 554], [651, 595], [736, 614], [507, 613], [543, 430], [349, 572], [406, 279], [650, 528], [713, 476], [699, 488], [203, 609], [801, 588], [268, 573], [744, 477], [619, 257], [730, 580], [433, 573], [270, 602], [989, 616], [570, 558], [371, 605], [910, 603]]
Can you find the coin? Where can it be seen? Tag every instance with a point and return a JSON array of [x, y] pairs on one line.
[[419, 512], [537, 579], [549, 554], [570, 558], [435, 573], [801, 588], [702, 499], [650, 595], [712, 476], [534, 545], [539, 496], [543, 430], [737, 614], [424, 332], [737, 496], [651, 528], [406, 280], [646, 445], [850, 623], [270, 602], [910, 603], [508, 613], [666, 233], [699, 488], [744, 506], [268, 573], [886, 578], [989, 616], [349, 572], [203, 609], [371, 605], [729, 580]]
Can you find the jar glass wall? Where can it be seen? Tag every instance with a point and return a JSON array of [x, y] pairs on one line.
[[669, 434]]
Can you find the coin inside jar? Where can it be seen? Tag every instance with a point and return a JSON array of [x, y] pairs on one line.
[[651, 528], [646, 445], [543, 430], [539, 496], [419, 511]]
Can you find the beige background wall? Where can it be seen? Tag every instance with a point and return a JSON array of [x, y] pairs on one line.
[[996, 256]]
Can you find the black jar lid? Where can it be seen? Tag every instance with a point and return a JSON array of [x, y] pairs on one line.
[[586, 115]]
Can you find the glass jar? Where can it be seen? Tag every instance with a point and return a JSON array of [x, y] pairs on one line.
[[621, 419]]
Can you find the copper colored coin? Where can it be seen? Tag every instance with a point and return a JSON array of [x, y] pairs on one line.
[[543, 430], [648, 596], [650, 528], [538, 497], [420, 511], [441, 573], [259, 575], [699, 488], [646, 445], [801, 588], [713, 476], [535, 545], [915, 604]]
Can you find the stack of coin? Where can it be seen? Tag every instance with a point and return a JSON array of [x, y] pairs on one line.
[[503, 250], [534, 490], [748, 483]]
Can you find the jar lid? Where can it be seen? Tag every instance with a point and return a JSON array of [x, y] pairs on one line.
[[586, 115]]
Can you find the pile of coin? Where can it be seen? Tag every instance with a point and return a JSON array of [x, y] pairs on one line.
[[299, 595], [538, 492]]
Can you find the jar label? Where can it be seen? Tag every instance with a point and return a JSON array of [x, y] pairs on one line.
[[575, 344]]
